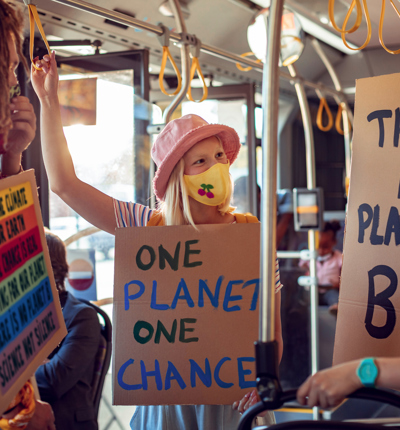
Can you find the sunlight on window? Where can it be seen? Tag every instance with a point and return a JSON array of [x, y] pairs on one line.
[[103, 156]]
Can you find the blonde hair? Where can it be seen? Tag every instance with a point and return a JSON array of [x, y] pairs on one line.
[[175, 208]]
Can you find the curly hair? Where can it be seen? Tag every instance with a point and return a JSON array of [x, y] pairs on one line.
[[11, 25], [58, 258]]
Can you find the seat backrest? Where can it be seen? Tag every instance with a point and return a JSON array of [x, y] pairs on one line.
[[103, 356]]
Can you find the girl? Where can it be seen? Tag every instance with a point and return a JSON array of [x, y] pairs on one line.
[[189, 153]]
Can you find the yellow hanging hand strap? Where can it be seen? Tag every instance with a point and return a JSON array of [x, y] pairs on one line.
[[167, 54], [381, 27], [338, 121], [246, 69], [369, 32], [323, 105], [331, 10], [195, 53], [343, 31], [196, 66], [34, 17]]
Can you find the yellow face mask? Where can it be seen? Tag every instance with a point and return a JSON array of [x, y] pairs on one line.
[[210, 187]]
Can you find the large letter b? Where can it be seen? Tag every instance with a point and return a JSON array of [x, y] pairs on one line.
[[381, 299]]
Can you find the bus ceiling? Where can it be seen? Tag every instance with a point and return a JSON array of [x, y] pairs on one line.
[[223, 24]]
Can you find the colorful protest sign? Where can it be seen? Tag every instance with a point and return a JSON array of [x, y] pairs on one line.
[[369, 300], [31, 321], [185, 314]]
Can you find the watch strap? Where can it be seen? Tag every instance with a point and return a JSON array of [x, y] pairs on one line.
[[367, 372]]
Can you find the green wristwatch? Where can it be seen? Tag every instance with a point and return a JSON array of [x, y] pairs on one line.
[[367, 372]]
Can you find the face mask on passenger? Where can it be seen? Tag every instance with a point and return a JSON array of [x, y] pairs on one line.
[[210, 187], [15, 91]]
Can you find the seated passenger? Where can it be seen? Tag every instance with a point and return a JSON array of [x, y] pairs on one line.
[[329, 387], [65, 381], [329, 265]]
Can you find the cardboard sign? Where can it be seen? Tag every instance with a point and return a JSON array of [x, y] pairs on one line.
[[369, 303], [31, 321], [185, 314]]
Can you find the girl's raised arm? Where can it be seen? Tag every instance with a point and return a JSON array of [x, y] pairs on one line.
[[93, 205]]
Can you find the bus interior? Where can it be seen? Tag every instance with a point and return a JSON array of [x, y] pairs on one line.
[[110, 55]]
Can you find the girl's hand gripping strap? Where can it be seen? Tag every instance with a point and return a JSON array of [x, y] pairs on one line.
[[164, 40], [34, 17], [196, 66]]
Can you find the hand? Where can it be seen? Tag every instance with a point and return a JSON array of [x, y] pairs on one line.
[[328, 388], [45, 81], [43, 418], [249, 400], [23, 126]]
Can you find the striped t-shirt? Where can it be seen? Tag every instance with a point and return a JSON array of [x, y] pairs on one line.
[[128, 214]]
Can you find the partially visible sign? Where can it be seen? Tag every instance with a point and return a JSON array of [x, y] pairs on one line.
[[185, 314], [31, 321], [369, 302], [81, 281]]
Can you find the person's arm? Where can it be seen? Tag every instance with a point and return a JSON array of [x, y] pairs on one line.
[[20, 136], [43, 418], [90, 203], [20, 414], [71, 362], [330, 387]]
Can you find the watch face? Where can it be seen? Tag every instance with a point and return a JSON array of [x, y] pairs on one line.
[[368, 371]]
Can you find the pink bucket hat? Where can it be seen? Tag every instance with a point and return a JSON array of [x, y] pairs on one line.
[[178, 137]]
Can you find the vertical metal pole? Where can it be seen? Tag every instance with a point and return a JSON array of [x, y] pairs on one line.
[[141, 143], [270, 97], [311, 183], [252, 154]]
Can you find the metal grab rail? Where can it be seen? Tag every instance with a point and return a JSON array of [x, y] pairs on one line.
[[207, 49], [289, 395]]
